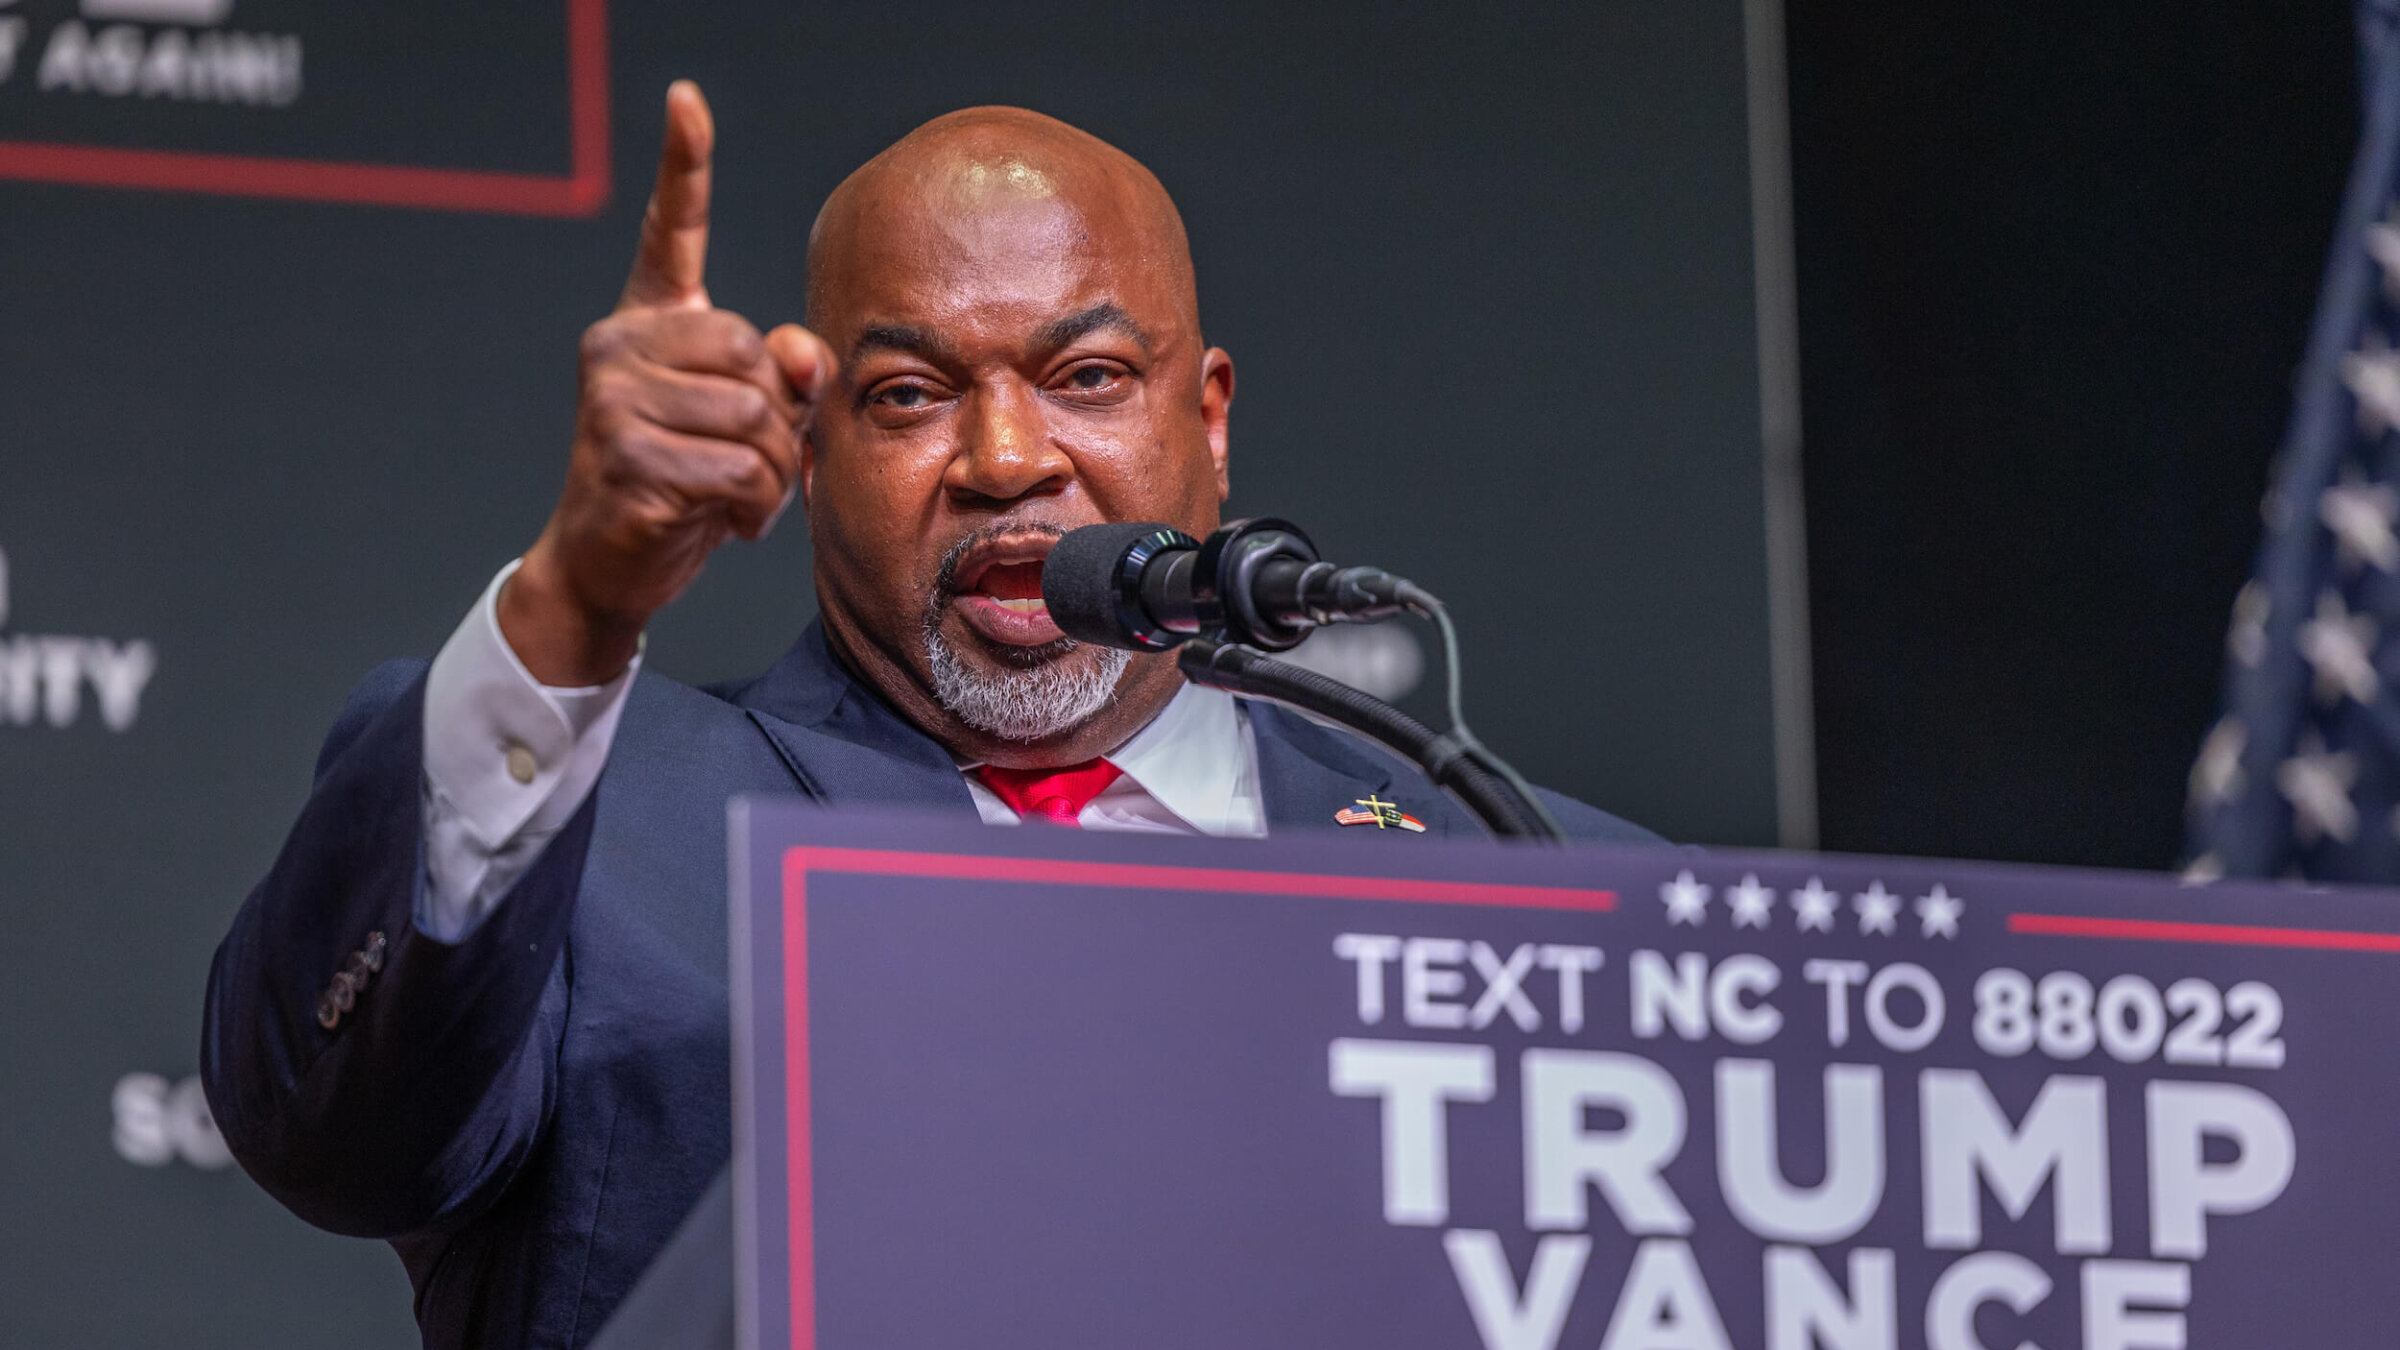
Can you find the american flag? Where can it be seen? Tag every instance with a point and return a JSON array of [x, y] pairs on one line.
[[2301, 776]]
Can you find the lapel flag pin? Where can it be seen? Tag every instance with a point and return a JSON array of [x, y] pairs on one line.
[[1383, 815]]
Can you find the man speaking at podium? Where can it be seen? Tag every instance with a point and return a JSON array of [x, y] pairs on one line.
[[478, 1007]]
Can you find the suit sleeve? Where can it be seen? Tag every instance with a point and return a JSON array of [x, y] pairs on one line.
[[414, 1108]]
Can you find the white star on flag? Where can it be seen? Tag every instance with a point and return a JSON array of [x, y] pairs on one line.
[[1753, 904], [1877, 908], [2318, 786], [2246, 640], [1687, 900], [2361, 517], [1939, 911], [2372, 374], [2274, 509], [2337, 646], [2383, 245], [1815, 905], [2217, 773]]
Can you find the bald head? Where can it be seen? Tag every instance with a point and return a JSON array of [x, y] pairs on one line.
[[984, 179]]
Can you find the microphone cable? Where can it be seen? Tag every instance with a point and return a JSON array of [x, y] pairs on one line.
[[1425, 604]]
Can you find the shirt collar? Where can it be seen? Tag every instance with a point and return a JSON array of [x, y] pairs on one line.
[[1189, 758]]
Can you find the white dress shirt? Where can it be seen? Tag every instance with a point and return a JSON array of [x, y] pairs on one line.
[[1192, 770], [508, 760]]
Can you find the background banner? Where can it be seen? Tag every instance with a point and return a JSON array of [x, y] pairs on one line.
[[1487, 283], [1038, 1088]]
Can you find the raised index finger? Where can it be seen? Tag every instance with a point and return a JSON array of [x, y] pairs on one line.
[[667, 269]]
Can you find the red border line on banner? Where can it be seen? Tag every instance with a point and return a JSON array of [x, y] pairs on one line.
[[581, 193], [1155, 877], [799, 1179], [2225, 934]]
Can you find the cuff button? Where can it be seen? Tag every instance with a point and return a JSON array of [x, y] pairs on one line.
[[521, 764]]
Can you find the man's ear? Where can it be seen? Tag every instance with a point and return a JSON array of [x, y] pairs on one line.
[[1216, 407]]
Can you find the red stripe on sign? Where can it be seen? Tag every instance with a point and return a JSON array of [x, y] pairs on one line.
[[2224, 934], [1233, 881], [581, 193], [800, 1185]]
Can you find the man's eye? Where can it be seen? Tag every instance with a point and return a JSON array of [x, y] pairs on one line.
[[901, 396], [1090, 377]]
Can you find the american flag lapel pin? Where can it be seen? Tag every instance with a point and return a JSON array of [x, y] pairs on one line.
[[1383, 815]]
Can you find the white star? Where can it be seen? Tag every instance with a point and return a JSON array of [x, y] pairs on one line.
[[1753, 904], [2337, 645], [1877, 909], [2247, 638], [1815, 905], [2217, 773], [2361, 515], [2318, 785], [1687, 900], [2274, 509], [2383, 245], [2204, 869], [1939, 911], [2373, 375]]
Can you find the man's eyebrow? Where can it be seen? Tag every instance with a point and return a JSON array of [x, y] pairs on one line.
[[1064, 331], [902, 338]]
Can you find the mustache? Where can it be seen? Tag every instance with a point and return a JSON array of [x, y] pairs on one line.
[[945, 583], [945, 590]]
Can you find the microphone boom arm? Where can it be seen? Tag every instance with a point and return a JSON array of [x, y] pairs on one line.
[[1449, 762]]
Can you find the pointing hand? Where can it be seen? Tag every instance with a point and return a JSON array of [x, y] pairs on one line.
[[688, 430]]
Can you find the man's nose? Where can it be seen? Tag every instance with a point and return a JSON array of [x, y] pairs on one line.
[[1008, 451]]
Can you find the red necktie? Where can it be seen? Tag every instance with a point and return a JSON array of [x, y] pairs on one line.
[[1054, 795]]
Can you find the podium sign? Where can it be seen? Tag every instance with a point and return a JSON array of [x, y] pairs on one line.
[[1039, 1088]]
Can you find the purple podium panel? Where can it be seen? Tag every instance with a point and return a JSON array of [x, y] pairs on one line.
[[1037, 1088]]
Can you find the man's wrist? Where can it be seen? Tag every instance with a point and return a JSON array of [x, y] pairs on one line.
[[563, 641]]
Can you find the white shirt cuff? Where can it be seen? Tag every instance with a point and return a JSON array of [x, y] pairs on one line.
[[508, 760]]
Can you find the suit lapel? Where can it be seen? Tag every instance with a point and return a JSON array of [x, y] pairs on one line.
[[840, 772], [845, 745], [1308, 773]]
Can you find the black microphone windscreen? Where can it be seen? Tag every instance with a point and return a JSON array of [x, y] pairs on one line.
[[1080, 582]]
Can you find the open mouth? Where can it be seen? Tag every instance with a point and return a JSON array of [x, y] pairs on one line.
[[998, 590]]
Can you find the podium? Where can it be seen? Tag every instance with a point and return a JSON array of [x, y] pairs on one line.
[[1047, 1088]]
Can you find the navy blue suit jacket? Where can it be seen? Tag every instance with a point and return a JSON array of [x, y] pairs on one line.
[[526, 1114]]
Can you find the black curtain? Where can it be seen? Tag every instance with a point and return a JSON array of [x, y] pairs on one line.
[[2056, 266]]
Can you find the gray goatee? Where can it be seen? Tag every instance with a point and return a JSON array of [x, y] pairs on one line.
[[1037, 694]]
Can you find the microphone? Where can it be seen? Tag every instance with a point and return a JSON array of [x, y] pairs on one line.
[[1146, 587]]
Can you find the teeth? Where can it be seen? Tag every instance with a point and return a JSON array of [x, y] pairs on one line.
[[1030, 606]]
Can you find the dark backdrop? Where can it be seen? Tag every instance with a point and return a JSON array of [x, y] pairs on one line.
[[2056, 265], [1486, 276]]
